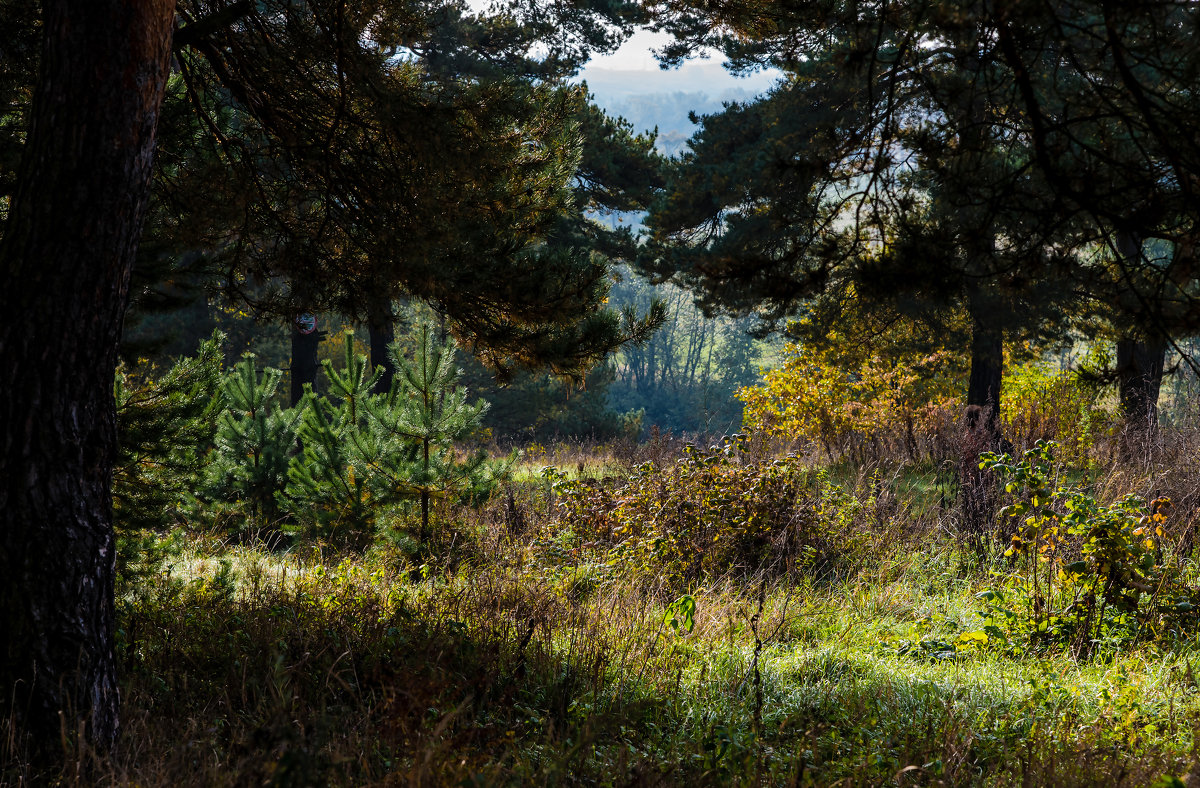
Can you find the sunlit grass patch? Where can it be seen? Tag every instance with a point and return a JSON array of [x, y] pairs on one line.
[[523, 644]]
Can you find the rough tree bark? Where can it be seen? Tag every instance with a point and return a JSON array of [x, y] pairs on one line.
[[987, 370], [1140, 362], [66, 255], [981, 427]]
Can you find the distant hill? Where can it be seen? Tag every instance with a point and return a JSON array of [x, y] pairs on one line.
[[664, 99]]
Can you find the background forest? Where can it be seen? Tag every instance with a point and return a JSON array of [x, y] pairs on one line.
[[389, 407]]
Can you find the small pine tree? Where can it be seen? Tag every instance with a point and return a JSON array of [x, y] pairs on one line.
[[363, 452], [429, 409], [254, 443], [165, 427], [333, 483]]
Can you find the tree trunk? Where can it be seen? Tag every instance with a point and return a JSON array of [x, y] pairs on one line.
[[381, 327], [305, 341], [425, 493], [987, 371], [1140, 366], [1140, 361], [981, 428], [66, 255]]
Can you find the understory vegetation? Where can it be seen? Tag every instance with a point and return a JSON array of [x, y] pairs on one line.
[[357, 590], [747, 610]]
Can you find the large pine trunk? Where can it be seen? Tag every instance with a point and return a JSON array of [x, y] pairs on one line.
[[66, 256]]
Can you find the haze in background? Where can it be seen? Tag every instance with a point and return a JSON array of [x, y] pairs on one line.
[[630, 83]]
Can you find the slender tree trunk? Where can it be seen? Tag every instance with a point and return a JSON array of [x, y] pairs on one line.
[[1140, 366], [981, 429], [306, 341], [66, 255], [425, 493], [1140, 361], [381, 327], [987, 338], [987, 370]]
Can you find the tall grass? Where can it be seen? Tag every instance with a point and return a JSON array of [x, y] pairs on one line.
[[521, 648]]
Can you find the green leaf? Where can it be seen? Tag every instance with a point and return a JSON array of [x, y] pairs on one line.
[[681, 614]]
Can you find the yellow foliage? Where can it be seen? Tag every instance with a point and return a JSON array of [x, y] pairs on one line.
[[1041, 402], [814, 397], [852, 396]]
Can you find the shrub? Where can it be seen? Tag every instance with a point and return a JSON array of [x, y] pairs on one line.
[[876, 405], [1060, 405], [1087, 573], [715, 511]]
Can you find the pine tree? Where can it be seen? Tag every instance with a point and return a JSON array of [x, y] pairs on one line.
[[165, 430], [879, 167], [69, 239], [254, 441], [438, 178], [363, 452], [430, 409], [165, 427], [1132, 169], [332, 487], [1045, 200]]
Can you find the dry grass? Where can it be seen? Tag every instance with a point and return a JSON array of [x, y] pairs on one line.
[[512, 651]]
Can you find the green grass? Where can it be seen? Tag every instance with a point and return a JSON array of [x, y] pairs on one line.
[[535, 658], [288, 672]]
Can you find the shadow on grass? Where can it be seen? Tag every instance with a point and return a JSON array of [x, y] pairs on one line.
[[360, 676], [871, 720]]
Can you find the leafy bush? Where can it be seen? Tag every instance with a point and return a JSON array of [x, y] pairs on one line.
[[1060, 405], [859, 411], [1089, 573], [861, 399], [715, 511]]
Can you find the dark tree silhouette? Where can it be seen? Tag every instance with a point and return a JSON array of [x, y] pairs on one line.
[[68, 247]]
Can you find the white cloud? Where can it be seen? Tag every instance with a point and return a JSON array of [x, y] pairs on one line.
[[635, 54]]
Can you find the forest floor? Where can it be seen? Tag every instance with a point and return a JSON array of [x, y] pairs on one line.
[[522, 645]]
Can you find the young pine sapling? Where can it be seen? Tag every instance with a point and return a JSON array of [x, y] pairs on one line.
[[429, 409]]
